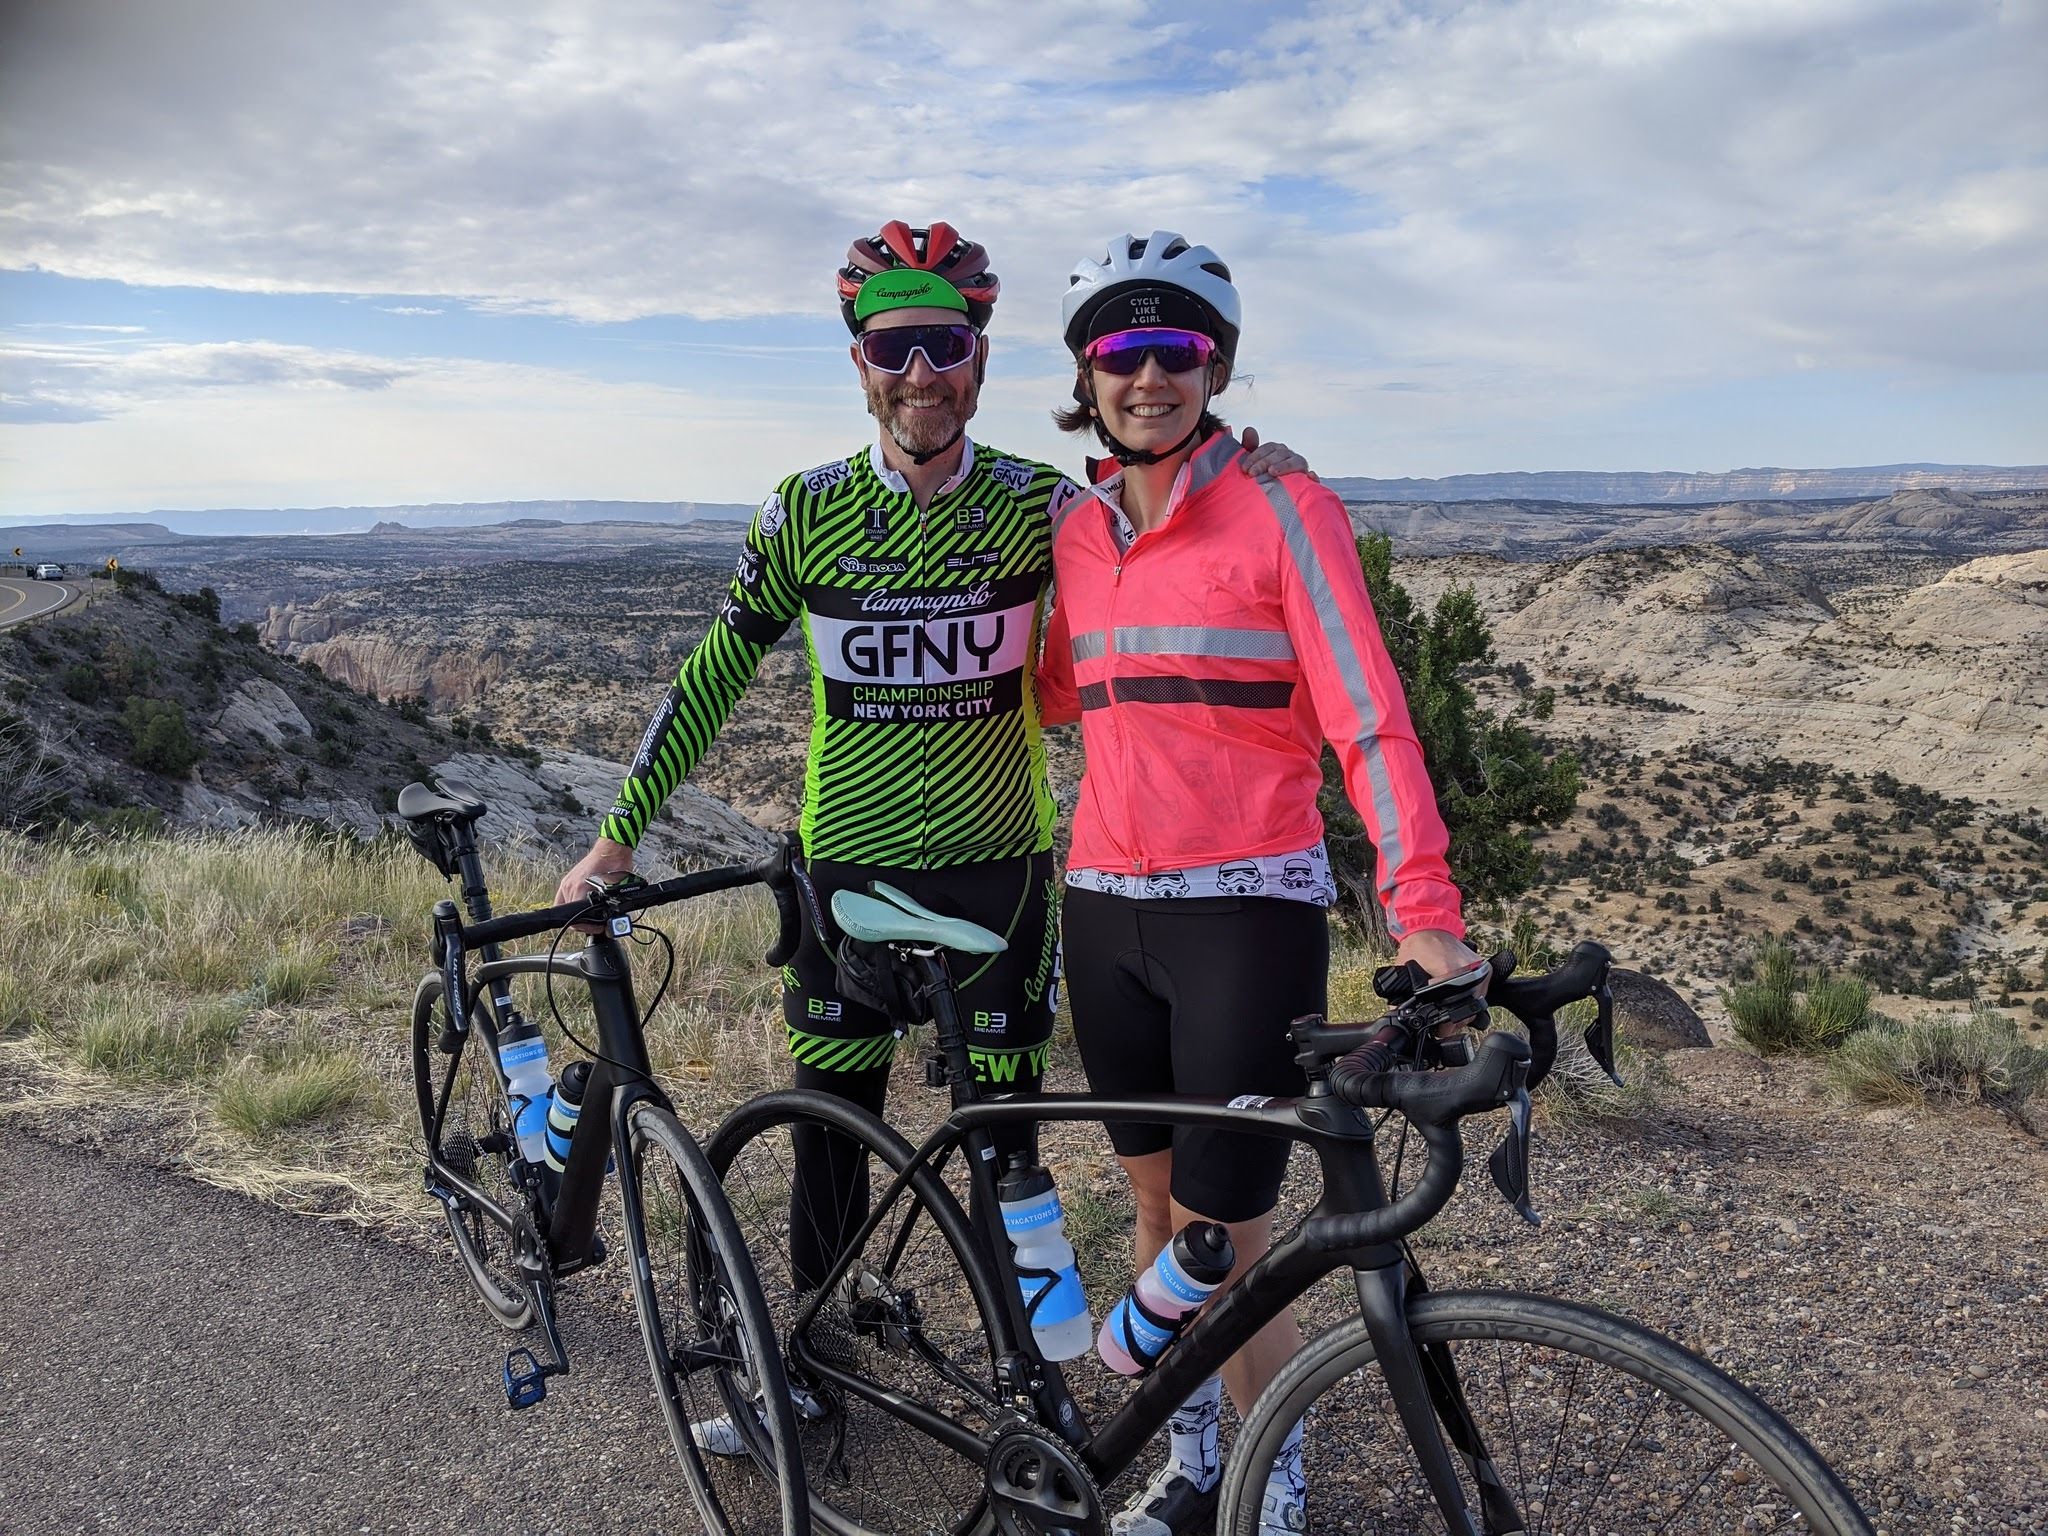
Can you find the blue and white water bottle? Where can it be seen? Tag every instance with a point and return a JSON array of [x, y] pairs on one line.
[[524, 1055], [564, 1110], [1150, 1317], [1046, 1274]]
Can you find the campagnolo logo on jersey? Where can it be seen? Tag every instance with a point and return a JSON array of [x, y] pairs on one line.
[[1012, 474], [825, 476], [970, 562], [853, 565], [932, 604], [655, 729], [773, 515]]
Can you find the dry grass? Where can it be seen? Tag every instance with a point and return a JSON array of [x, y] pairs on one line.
[[1973, 1058], [247, 998]]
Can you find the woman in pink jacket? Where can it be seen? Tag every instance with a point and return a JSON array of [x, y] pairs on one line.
[[1211, 633]]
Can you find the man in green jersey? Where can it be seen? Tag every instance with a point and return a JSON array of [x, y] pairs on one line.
[[918, 566]]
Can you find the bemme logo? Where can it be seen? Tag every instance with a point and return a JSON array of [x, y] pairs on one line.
[[853, 565], [825, 476]]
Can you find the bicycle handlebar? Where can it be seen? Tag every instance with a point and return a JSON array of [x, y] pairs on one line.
[[779, 871], [1434, 1102]]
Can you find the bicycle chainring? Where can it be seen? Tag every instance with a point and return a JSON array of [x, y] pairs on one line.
[[1038, 1485]]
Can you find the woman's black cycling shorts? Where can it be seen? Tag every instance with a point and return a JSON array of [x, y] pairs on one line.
[[1193, 997]]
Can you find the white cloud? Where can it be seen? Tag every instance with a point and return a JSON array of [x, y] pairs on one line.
[[85, 383], [409, 309], [1524, 211]]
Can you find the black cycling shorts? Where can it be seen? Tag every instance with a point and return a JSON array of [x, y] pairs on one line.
[[1193, 997], [1006, 1000]]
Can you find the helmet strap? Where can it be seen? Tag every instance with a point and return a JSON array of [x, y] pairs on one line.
[[922, 459]]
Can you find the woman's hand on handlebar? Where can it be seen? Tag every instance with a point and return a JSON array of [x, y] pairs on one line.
[[1441, 954], [605, 862]]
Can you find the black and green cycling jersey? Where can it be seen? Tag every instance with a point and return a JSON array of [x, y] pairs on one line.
[[922, 630]]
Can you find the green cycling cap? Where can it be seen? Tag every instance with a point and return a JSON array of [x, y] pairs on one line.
[[906, 289]]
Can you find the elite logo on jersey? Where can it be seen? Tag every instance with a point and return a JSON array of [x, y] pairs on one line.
[[1012, 474], [825, 476], [773, 515]]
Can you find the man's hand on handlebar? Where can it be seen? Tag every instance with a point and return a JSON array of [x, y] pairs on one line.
[[605, 863]]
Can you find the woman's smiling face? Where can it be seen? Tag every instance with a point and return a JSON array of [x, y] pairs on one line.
[[1150, 410]]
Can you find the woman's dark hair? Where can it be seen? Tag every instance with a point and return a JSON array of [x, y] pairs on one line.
[[1080, 417]]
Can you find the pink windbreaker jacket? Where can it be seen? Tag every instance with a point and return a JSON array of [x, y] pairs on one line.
[[1208, 664]]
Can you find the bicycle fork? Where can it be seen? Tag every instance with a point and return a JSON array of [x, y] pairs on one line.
[[1431, 1404]]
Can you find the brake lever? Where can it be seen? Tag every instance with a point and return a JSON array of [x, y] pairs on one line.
[[1509, 1164], [1600, 1033]]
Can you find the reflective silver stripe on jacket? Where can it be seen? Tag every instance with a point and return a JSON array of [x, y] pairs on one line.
[[1351, 669], [1188, 640]]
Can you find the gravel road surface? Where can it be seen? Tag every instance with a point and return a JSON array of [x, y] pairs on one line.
[[175, 1358]]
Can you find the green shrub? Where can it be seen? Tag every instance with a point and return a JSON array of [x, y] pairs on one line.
[[1771, 1014], [81, 681], [1976, 1057], [162, 741]]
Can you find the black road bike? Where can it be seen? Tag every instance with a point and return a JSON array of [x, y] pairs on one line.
[[1457, 1412], [520, 1228]]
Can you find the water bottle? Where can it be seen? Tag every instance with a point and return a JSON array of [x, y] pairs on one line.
[[1138, 1328], [1045, 1261], [524, 1055], [564, 1110]]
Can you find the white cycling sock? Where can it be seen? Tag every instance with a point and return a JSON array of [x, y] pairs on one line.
[[1192, 1434], [1288, 1482]]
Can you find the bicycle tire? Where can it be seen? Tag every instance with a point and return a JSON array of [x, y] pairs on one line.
[[480, 1116], [711, 1345], [1741, 1467], [913, 1306]]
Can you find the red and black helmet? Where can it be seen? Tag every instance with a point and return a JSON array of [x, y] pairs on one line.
[[938, 250]]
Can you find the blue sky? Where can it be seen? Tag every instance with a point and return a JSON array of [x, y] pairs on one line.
[[263, 255]]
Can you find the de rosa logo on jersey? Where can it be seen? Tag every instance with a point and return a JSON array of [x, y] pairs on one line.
[[1010, 473]]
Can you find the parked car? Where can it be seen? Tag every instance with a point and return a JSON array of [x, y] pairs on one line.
[[48, 572]]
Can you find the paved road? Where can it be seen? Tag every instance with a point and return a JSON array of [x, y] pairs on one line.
[[21, 599], [175, 1359]]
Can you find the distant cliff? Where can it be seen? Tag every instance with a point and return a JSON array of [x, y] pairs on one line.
[[1636, 488]]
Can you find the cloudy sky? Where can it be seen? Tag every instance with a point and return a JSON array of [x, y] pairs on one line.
[[268, 254]]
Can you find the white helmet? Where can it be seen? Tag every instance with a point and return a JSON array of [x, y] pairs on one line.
[[1162, 259]]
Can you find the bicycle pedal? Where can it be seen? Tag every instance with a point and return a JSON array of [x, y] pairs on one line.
[[525, 1382]]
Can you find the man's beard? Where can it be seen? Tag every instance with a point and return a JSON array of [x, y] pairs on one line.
[[920, 431]]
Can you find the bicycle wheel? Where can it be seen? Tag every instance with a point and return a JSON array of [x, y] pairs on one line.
[[476, 1141], [709, 1340], [1590, 1423], [905, 1327]]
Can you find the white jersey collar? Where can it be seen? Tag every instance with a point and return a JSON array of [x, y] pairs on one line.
[[901, 486]]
